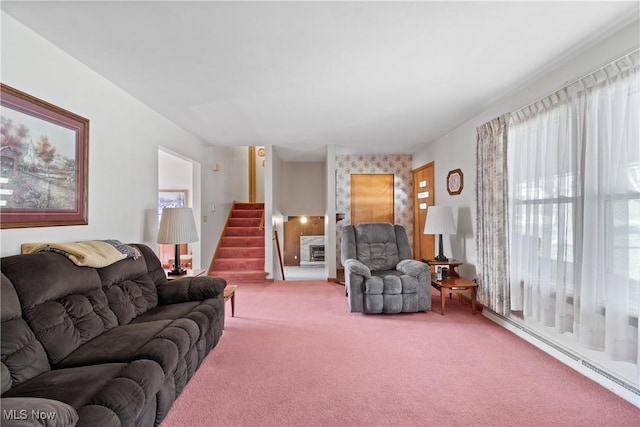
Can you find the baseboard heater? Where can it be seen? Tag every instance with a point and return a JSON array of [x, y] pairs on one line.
[[624, 389]]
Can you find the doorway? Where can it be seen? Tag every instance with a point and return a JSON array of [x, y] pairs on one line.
[[372, 198], [423, 197]]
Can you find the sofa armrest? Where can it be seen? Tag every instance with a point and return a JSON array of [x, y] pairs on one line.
[[35, 411], [413, 268], [188, 289], [356, 267]]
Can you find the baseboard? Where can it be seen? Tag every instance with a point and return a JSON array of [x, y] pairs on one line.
[[616, 385]]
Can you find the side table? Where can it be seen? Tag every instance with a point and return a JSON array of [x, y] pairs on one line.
[[230, 293], [454, 285], [194, 272], [451, 264]]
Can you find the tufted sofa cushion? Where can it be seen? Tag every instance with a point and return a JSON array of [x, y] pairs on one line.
[[63, 304], [22, 354], [129, 289]]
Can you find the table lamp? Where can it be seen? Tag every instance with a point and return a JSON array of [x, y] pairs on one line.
[[439, 221], [177, 226]]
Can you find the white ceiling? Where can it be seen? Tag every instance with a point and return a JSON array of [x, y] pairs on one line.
[[367, 77]]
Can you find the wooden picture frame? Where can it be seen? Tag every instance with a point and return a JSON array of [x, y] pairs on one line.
[[44, 158], [455, 182]]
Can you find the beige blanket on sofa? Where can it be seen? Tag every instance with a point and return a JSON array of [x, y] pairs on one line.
[[90, 253]]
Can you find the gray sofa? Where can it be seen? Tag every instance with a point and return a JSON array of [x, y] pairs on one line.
[[380, 272], [110, 346]]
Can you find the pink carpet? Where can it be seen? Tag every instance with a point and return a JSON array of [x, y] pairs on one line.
[[295, 356]]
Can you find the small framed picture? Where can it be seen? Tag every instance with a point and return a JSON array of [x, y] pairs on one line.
[[455, 182]]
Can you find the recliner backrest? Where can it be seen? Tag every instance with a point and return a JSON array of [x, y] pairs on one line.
[[379, 246], [23, 356]]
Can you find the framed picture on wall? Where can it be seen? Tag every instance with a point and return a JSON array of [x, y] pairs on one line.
[[44, 157], [455, 182]]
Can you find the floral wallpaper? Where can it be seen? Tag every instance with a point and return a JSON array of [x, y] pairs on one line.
[[397, 164]]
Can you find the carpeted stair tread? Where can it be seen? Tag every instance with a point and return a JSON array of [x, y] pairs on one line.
[[246, 214], [234, 276], [243, 231], [248, 206], [240, 252], [244, 222], [241, 264]]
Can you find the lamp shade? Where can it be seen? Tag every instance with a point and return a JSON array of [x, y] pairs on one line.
[[439, 221], [177, 226]]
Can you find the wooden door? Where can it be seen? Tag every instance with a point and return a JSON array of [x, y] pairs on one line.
[[372, 198], [423, 197]]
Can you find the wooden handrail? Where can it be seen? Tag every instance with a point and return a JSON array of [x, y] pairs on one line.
[[275, 234]]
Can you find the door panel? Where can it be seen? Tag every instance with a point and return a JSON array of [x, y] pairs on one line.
[[423, 197], [372, 198]]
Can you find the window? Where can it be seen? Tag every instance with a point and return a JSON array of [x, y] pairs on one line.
[[574, 210]]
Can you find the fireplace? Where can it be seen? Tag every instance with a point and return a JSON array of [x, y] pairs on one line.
[[316, 253], [312, 251]]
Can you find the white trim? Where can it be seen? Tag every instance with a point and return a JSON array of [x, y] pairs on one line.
[[627, 391]]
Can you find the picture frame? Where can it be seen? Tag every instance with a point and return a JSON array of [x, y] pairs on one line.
[[455, 182], [44, 161], [172, 199]]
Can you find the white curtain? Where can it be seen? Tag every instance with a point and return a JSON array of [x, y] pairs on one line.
[[574, 203]]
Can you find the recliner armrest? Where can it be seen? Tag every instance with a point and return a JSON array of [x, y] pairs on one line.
[[188, 289], [413, 268], [357, 267]]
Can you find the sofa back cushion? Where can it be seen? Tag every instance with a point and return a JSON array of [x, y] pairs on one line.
[[22, 354], [63, 304], [129, 288]]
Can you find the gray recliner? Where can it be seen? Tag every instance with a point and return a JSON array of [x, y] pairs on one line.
[[380, 272]]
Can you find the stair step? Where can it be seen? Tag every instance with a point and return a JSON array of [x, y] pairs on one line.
[[243, 231], [246, 213], [241, 264], [249, 206], [243, 241], [242, 252], [244, 222], [233, 277]]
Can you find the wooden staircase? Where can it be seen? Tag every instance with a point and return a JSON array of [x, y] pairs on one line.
[[240, 253]]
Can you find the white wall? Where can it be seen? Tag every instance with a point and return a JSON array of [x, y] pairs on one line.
[[123, 144], [223, 186], [303, 187], [175, 173], [330, 215], [457, 149], [273, 212]]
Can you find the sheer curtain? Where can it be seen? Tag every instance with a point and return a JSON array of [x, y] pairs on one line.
[[574, 210]]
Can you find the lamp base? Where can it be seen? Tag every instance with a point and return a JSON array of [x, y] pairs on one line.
[[177, 270], [440, 257]]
